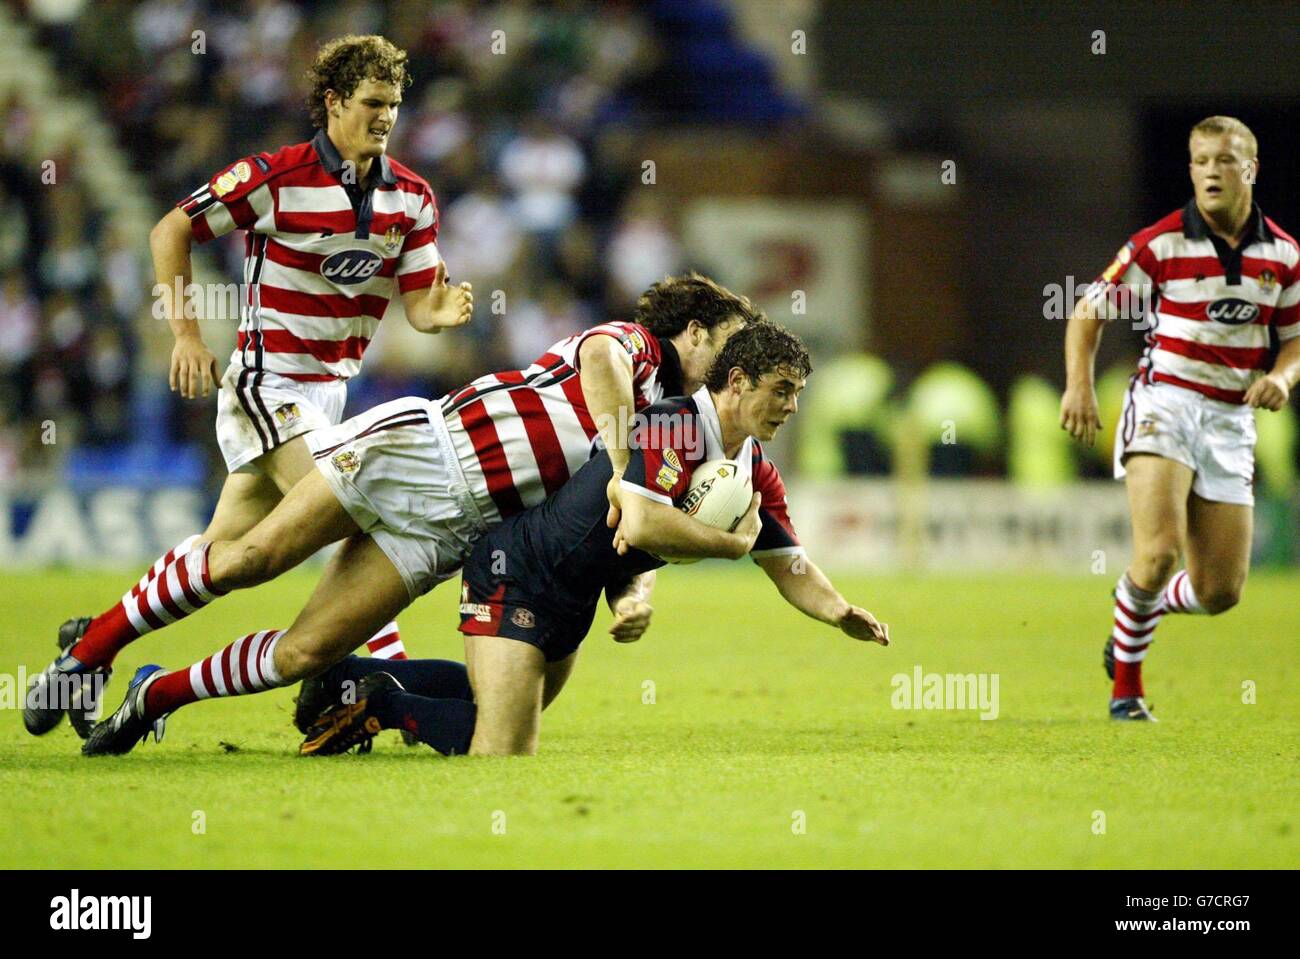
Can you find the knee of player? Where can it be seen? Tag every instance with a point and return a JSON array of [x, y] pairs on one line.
[[254, 563], [295, 660], [1220, 600], [1159, 561]]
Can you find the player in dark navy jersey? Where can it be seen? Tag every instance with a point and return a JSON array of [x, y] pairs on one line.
[[531, 586]]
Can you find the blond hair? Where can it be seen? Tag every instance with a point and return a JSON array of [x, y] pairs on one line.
[[1217, 126]]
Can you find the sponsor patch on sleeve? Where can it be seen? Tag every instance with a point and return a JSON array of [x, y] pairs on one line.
[[1117, 267]]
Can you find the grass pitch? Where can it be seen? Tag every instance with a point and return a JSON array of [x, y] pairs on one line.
[[762, 722]]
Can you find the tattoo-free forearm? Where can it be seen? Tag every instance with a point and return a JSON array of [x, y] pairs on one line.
[[805, 587], [606, 378], [1082, 337], [169, 243], [1288, 362]]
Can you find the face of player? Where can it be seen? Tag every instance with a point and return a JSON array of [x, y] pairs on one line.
[[763, 408], [1220, 170], [698, 346], [361, 124]]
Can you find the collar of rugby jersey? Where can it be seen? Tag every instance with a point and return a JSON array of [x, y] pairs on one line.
[[670, 370], [359, 194], [333, 162], [1256, 231], [713, 448]]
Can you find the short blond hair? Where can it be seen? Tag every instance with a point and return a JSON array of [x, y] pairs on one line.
[[1217, 126]]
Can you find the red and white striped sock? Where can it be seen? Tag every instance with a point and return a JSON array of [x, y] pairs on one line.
[[1137, 613], [1179, 597], [245, 666], [386, 644], [175, 586]]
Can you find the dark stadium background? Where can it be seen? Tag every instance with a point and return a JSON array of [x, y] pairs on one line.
[[1060, 154]]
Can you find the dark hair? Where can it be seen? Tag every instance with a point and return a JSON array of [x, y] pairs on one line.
[[757, 349], [344, 62], [667, 307]]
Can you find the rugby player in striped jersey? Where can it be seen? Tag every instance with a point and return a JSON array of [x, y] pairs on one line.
[[1216, 285], [334, 230]]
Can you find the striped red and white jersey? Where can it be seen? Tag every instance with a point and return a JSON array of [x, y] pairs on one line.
[[1210, 311], [322, 259], [520, 435]]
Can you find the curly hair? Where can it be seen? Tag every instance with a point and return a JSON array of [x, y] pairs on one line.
[[344, 62], [758, 349], [669, 305]]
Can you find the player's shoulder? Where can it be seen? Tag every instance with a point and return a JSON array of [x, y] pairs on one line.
[[244, 176], [673, 406], [763, 466], [271, 165], [1283, 237], [636, 339], [408, 180], [1169, 223]]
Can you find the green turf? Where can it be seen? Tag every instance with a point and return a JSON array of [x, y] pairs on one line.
[[758, 714]]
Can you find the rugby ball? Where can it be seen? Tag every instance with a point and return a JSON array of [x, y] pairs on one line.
[[719, 495]]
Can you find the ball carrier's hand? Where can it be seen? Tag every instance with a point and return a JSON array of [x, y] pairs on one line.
[[857, 623]]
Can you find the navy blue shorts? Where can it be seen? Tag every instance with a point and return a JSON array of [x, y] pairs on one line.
[[498, 607]]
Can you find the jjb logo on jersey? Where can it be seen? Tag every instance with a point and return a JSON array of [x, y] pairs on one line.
[[1232, 311], [349, 267]]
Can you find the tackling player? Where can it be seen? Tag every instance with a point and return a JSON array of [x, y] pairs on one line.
[[411, 484], [531, 585], [1214, 280], [334, 228]]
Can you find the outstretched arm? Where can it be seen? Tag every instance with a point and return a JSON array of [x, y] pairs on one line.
[[806, 588]]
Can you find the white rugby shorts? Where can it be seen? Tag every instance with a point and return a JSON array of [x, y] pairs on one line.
[[258, 411], [394, 470], [1216, 440]]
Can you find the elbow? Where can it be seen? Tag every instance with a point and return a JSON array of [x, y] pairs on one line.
[[169, 233]]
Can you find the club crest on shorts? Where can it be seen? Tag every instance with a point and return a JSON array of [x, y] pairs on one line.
[[346, 462], [392, 237], [1147, 427], [523, 618], [288, 413]]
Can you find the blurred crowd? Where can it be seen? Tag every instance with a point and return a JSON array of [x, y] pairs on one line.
[[71, 289], [518, 131]]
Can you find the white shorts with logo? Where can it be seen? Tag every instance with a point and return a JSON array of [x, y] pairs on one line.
[[394, 470], [1216, 440], [258, 411]]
